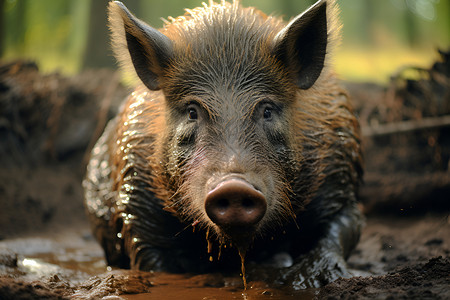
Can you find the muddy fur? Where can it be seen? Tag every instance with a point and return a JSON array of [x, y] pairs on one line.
[[150, 172]]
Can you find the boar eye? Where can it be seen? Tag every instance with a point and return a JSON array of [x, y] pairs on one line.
[[267, 113], [192, 113]]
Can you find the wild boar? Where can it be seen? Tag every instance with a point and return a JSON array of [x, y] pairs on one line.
[[238, 139]]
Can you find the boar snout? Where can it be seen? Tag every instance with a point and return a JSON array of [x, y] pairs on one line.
[[235, 206]]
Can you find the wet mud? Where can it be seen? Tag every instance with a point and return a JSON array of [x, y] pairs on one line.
[[401, 258], [48, 123]]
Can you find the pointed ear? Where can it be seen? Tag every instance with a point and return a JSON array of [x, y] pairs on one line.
[[302, 45], [139, 46]]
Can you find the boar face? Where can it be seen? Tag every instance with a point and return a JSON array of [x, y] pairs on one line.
[[230, 77], [228, 151]]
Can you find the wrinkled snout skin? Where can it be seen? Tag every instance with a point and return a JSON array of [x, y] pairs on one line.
[[237, 142]]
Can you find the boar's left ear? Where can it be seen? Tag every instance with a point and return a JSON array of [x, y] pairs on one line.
[[302, 45], [138, 45]]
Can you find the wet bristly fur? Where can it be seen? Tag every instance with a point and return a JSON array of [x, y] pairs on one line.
[[221, 51]]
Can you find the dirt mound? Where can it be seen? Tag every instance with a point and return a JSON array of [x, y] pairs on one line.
[[13, 289], [424, 281], [47, 123], [406, 139]]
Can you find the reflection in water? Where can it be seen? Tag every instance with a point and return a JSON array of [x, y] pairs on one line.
[[38, 267], [80, 263]]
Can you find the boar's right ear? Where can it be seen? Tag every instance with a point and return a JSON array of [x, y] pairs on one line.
[[139, 46], [302, 45]]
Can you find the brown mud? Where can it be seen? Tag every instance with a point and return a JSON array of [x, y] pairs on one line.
[[48, 123]]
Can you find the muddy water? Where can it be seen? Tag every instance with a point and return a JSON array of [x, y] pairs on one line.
[[73, 256], [76, 260], [169, 286], [71, 264]]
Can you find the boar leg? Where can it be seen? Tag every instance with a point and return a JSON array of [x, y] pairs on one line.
[[326, 262]]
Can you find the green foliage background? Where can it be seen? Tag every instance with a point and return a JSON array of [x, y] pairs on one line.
[[378, 35]]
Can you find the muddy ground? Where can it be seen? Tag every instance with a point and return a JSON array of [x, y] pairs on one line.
[[48, 123]]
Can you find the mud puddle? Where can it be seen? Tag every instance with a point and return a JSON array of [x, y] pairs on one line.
[[396, 257], [72, 264], [71, 256]]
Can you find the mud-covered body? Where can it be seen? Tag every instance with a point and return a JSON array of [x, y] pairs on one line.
[[299, 147]]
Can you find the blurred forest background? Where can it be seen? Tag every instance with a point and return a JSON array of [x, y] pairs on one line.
[[378, 36]]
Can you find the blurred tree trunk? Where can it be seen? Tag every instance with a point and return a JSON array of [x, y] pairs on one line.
[[2, 27], [411, 28], [367, 22], [98, 52], [17, 26]]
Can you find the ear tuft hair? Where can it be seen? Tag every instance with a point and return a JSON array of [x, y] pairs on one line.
[[304, 44], [119, 43], [140, 49]]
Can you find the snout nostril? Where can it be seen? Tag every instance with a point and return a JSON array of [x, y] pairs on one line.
[[223, 203], [248, 203], [235, 203]]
